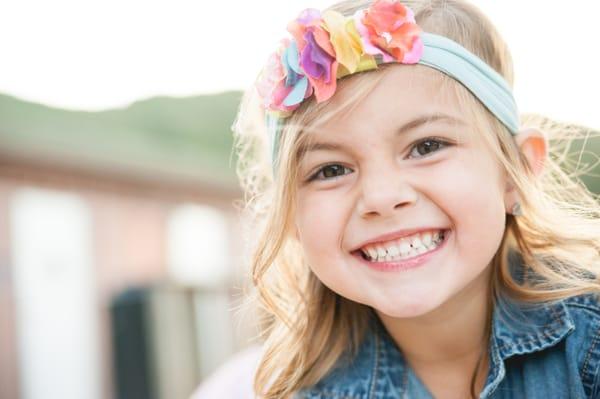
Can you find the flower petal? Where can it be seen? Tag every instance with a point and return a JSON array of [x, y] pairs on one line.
[[385, 15], [363, 32], [322, 38], [298, 92], [291, 58], [325, 89], [414, 55], [347, 46], [403, 37], [314, 60], [308, 15], [387, 27]]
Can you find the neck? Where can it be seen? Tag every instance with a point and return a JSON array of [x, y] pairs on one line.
[[453, 333]]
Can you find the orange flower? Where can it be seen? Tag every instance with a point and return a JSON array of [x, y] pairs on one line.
[[388, 28]]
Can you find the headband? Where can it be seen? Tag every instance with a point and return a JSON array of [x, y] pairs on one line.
[[328, 46]]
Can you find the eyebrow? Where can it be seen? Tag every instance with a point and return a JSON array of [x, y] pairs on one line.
[[413, 124]]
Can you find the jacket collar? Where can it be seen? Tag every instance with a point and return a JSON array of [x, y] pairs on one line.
[[379, 365], [518, 329], [521, 328]]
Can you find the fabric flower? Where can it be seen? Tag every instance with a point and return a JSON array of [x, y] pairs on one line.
[[327, 46], [388, 28], [345, 39], [317, 56], [282, 83], [270, 77]]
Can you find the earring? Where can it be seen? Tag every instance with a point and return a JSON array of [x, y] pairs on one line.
[[516, 209]]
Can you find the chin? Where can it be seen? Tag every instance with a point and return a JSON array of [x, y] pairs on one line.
[[406, 309]]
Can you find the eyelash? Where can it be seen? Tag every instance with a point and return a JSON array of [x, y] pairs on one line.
[[315, 175]]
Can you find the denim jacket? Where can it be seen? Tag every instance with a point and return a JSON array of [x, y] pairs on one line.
[[549, 351]]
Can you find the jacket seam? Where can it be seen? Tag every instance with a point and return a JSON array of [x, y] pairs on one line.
[[583, 306], [335, 395], [375, 367], [587, 301], [541, 339], [587, 361]]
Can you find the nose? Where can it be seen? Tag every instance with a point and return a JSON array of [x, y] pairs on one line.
[[384, 190]]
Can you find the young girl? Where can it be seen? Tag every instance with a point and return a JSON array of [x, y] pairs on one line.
[[417, 238]]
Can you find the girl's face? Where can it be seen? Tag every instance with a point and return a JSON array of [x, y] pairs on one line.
[[404, 161]]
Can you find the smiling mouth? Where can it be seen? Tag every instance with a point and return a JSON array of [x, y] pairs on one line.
[[403, 249]]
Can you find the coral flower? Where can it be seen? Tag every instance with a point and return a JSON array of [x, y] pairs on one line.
[[388, 28]]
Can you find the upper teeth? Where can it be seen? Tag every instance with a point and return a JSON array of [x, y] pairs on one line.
[[405, 247]]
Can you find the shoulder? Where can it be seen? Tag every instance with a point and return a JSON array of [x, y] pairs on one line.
[[589, 303], [556, 340], [584, 342], [232, 380], [584, 312]]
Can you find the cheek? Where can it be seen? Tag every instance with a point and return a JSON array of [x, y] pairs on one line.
[[320, 222], [475, 204]]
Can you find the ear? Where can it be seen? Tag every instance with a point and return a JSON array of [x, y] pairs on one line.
[[533, 144]]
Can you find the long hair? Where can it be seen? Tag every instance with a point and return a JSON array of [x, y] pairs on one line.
[[306, 326]]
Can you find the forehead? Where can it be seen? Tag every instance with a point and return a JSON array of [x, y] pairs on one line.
[[397, 94], [401, 92]]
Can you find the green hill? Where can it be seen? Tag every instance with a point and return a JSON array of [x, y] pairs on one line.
[[188, 138]]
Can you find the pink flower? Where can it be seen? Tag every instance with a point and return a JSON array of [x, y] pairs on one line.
[[271, 76], [388, 28], [282, 83]]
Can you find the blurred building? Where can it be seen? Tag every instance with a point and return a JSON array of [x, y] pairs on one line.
[[97, 205]]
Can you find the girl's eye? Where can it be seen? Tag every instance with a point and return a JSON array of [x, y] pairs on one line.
[[427, 146], [329, 172], [422, 148]]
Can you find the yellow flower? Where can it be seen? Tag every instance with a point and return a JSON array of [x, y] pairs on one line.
[[344, 38]]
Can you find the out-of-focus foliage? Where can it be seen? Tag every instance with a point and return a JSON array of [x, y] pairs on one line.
[[188, 138], [588, 160]]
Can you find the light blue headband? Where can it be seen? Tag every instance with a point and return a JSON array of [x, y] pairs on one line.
[[482, 80], [454, 60]]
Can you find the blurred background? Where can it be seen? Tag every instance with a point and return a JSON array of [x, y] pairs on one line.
[[121, 251]]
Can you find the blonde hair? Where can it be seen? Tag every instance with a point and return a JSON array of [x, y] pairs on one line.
[[307, 327]]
